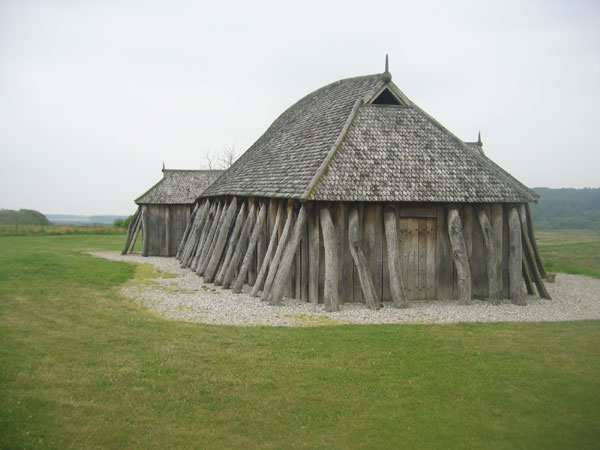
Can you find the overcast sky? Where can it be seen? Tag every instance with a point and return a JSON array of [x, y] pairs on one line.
[[95, 95]]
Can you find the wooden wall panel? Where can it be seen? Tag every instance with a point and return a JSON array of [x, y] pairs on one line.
[[431, 259], [444, 263], [346, 264], [497, 230]]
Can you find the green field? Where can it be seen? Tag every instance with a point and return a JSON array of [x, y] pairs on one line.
[[570, 251], [82, 367]]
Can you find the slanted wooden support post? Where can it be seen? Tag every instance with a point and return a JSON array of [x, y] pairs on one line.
[[215, 257], [515, 257], [459, 254], [360, 261], [240, 249], [136, 231], [266, 295], [260, 221], [196, 236], [145, 230], [210, 240], [491, 257], [527, 278], [239, 222], [330, 294], [530, 256], [285, 264], [192, 225], [393, 258], [187, 230], [269, 254], [130, 230], [536, 252], [205, 237]]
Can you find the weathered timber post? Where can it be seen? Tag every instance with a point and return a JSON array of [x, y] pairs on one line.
[[187, 230], [239, 282], [286, 260], [233, 239], [269, 254], [130, 229], [198, 231], [192, 224], [364, 275], [211, 267], [393, 254], [136, 231], [530, 256], [210, 240], [331, 294], [527, 278], [538, 260], [459, 254], [275, 262], [239, 249], [145, 230], [515, 257], [491, 258]]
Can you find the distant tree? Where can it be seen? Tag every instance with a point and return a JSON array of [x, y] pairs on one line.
[[123, 223], [223, 160]]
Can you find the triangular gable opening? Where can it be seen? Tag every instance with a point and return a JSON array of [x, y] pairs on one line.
[[386, 98]]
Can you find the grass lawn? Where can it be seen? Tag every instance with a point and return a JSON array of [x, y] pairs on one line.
[[82, 367], [570, 251]]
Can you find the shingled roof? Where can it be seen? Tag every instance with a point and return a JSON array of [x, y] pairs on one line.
[[362, 139], [179, 186]]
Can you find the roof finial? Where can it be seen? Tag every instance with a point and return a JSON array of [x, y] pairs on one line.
[[386, 76], [479, 139], [163, 169]]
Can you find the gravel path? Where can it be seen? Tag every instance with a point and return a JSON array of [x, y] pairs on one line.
[[185, 297]]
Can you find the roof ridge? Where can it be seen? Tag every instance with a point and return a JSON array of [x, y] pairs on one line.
[[334, 148]]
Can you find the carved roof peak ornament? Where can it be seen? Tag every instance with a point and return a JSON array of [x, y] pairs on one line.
[[386, 76]]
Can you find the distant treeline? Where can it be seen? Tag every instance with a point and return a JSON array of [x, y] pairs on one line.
[[567, 209], [71, 219], [22, 217]]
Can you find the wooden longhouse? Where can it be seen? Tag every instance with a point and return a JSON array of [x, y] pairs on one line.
[[355, 194], [164, 210]]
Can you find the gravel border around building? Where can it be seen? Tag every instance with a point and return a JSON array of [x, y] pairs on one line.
[[185, 297]]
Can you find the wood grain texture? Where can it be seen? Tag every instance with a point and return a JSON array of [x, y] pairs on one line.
[[393, 259], [231, 244], [515, 257], [266, 295], [366, 280], [459, 254], [313, 257], [257, 228], [240, 248], [223, 233], [262, 274], [491, 257], [286, 259], [331, 292]]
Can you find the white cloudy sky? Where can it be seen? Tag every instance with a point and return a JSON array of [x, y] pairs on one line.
[[95, 95]]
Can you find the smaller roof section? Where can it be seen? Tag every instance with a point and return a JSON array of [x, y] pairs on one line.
[[179, 187]]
